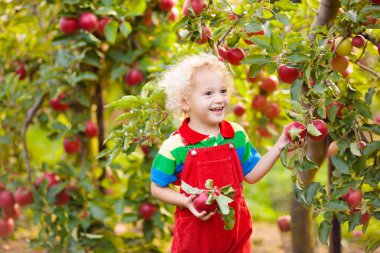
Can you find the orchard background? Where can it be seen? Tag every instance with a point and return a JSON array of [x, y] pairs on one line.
[[81, 117]]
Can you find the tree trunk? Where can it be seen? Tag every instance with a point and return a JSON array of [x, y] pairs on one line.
[[302, 228]]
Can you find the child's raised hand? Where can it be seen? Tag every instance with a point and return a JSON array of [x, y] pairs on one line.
[[282, 140], [203, 215]]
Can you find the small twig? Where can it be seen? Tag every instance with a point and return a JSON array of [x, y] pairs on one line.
[[356, 134], [31, 112], [369, 70], [162, 120], [370, 38], [228, 31], [363, 51]]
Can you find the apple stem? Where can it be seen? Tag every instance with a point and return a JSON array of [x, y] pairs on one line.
[[29, 117]]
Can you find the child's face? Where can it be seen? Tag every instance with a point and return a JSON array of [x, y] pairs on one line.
[[207, 103]]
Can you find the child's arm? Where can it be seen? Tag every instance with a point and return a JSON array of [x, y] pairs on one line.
[[170, 196], [267, 161]]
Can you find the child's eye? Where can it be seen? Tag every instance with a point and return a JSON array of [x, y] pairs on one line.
[[224, 91], [208, 93]]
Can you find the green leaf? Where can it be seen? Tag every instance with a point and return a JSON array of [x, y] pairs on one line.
[[298, 58], [369, 95], [125, 29], [189, 189], [110, 31], [113, 155], [262, 41], [209, 184], [223, 202], [259, 60], [355, 220], [319, 88], [97, 212], [285, 5], [284, 156], [354, 149], [324, 231], [119, 206], [308, 164], [87, 76], [363, 108], [104, 153], [371, 147], [311, 129], [283, 18], [340, 165], [136, 7], [129, 218], [371, 128], [228, 191], [295, 90], [125, 102], [118, 72], [229, 219], [337, 205], [298, 107], [276, 43], [310, 191]]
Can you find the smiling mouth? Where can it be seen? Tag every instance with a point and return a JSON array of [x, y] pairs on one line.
[[217, 109]]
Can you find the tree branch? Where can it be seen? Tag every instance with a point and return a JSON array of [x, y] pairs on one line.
[[31, 112]]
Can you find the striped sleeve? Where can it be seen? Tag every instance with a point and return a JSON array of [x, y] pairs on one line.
[[247, 153], [164, 165]]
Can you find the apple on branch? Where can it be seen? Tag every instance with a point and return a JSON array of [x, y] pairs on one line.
[[269, 84], [322, 132], [272, 110], [239, 109], [288, 74], [198, 7], [88, 21], [353, 198], [204, 36], [102, 25], [235, 55], [91, 130], [72, 144], [6, 199], [133, 77], [7, 227], [259, 77], [147, 210], [68, 25], [166, 5], [284, 222], [259, 102], [295, 131], [358, 41], [23, 196], [173, 14]]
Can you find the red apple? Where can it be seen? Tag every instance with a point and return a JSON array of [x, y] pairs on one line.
[[358, 41], [288, 74], [24, 196], [6, 199], [258, 78], [331, 42], [311, 81], [340, 107], [295, 131], [88, 21], [269, 84], [259, 102], [200, 203], [198, 7], [2, 187], [222, 51], [12, 212], [147, 18], [92, 129], [147, 210], [62, 198], [322, 127], [72, 144], [145, 149], [102, 25], [232, 16], [249, 42], [51, 178], [133, 77], [264, 130], [235, 55], [173, 14], [353, 198], [68, 25], [364, 217], [283, 223], [206, 34], [21, 71], [272, 110], [362, 145], [57, 103], [6, 227], [239, 109], [340, 63], [166, 5], [333, 149]]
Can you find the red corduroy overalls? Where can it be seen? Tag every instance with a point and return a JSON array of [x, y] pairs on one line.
[[191, 234]]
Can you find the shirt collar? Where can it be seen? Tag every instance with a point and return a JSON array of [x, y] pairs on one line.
[[192, 137]]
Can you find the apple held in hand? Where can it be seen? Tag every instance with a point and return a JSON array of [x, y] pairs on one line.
[[23, 196], [68, 25], [288, 74], [88, 21], [283, 223], [147, 210], [200, 203], [321, 126], [295, 131], [6, 227]]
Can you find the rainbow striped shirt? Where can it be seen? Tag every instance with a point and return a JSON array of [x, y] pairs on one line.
[[168, 163]]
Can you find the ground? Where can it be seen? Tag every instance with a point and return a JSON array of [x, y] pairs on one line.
[[266, 239]]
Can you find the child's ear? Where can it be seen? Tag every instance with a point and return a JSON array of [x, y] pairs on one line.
[[185, 105]]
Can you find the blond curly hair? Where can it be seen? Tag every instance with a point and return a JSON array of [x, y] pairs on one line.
[[178, 80]]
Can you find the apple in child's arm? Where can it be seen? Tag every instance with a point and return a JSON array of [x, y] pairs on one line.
[[200, 203]]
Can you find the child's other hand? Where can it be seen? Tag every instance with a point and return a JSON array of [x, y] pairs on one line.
[[203, 215]]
